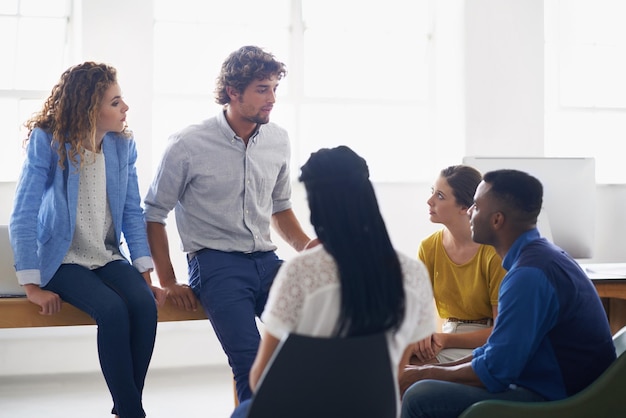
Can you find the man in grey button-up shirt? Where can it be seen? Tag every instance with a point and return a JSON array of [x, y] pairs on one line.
[[227, 179]]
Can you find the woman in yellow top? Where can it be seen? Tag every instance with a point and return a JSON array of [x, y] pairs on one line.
[[465, 275]]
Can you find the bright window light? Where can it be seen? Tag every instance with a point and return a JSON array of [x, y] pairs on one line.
[[358, 75], [33, 52], [585, 55]]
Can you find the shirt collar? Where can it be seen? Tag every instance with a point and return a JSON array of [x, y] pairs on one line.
[[255, 134], [513, 254], [228, 131]]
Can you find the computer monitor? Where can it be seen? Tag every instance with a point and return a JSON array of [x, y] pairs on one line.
[[569, 189]]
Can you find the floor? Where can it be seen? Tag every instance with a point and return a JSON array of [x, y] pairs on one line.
[[205, 392]]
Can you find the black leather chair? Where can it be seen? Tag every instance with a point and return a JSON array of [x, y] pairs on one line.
[[327, 378]]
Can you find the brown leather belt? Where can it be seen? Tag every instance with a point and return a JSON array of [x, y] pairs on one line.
[[484, 321]]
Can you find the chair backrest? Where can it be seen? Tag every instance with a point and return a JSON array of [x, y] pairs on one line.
[[311, 377], [619, 340]]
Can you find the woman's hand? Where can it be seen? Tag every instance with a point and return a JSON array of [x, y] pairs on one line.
[[159, 295], [427, 349], [312, 243], [49, 302]]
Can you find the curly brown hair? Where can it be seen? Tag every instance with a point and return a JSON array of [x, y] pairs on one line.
[[70, 113], [243, 66]]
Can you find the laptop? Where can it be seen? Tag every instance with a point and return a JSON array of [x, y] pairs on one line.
[[9, 287]]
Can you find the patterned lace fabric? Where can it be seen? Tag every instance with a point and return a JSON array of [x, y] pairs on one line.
[[94, 243], [305, 298]]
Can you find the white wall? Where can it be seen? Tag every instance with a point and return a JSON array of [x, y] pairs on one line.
[[118, 32], [501, 115], [504, 69]]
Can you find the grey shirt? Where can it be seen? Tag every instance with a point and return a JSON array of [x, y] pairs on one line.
[[223, 193]]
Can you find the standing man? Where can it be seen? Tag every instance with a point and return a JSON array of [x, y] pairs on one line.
[[551, 338], [227, 179]]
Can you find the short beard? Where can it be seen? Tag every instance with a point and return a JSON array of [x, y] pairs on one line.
[[259, 120], [256, 118]]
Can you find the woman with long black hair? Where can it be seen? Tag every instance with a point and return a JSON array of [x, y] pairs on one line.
[[353, 284]]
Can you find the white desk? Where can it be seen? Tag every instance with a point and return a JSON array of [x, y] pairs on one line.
[[605, 271], [608, 278]]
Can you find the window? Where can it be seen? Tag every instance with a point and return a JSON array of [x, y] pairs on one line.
[[191, 39], [358, 76], [34, 51], [585, 84]]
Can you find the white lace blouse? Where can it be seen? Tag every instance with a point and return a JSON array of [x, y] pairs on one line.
[[305, 299]]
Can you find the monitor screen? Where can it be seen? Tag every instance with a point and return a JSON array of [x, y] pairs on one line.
[[569, 188]]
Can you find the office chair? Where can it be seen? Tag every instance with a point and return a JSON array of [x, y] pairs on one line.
[[311, 377], [605, 397]]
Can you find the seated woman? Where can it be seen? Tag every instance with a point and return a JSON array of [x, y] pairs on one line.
[[354, 283], [465, 275]]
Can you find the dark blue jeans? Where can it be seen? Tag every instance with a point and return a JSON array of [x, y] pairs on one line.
[[232, 288], [120, 301], [241, 411], [439, 399]]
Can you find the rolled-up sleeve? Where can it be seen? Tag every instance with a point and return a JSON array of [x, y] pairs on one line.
[[168, 183]]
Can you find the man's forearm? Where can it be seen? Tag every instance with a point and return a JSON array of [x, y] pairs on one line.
[[159, 247], [289, 229]]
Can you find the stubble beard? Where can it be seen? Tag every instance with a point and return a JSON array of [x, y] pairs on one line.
[[261, 120]]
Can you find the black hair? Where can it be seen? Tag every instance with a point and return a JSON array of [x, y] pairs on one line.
[[519, 192], [348, 222]]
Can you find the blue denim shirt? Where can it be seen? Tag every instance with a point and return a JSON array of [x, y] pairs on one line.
[[44, 213]]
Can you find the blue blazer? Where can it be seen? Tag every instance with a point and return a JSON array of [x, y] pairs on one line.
[[44, 214]]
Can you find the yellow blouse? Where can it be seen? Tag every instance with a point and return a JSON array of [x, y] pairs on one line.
[[463, 291]]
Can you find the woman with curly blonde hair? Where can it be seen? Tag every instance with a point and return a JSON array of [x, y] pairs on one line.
[[76, 197]]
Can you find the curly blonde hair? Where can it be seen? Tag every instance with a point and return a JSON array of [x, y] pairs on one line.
[[70, 113]]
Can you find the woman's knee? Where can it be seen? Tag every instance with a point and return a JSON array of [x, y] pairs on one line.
[[111, 311]]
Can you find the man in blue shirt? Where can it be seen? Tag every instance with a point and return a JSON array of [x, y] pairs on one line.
[[551, 338]]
